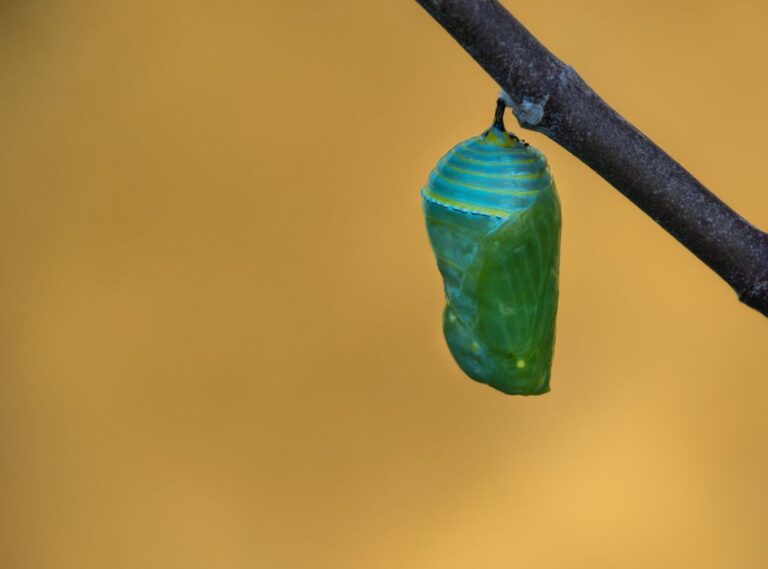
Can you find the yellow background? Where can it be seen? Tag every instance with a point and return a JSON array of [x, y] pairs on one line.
[[220, 317]]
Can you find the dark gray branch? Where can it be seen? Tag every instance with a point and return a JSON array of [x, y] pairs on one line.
[[550, 97]]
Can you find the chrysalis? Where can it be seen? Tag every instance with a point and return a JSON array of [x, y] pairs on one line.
[[493, 218]]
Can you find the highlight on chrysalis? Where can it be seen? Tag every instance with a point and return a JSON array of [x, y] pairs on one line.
[[493, 219]]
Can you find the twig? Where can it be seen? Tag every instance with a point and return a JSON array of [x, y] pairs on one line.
[[550, 97]]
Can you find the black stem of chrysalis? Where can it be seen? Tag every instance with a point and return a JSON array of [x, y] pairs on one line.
[[498, 118]]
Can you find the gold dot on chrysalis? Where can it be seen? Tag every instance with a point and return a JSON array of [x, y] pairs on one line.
[[520, 364]]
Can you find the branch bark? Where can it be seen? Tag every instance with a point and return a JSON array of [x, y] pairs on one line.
[[548, 96]]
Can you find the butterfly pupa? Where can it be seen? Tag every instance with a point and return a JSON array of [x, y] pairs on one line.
[[493, 219]]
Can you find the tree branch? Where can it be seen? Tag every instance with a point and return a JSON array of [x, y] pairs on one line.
[[550, 97]]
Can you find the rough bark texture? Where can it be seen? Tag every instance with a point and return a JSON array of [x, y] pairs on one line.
[[550, 97]]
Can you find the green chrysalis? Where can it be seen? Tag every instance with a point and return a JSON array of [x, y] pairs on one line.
[[493, 218]]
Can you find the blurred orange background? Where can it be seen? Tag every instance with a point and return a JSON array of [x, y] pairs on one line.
[[221, 340]]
